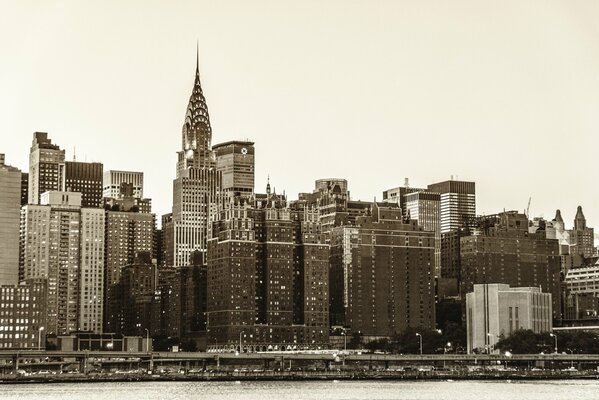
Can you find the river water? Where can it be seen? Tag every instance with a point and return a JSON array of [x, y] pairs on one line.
[[308, 390]]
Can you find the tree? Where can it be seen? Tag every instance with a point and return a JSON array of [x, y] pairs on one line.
[[525, 341], [408, 342]]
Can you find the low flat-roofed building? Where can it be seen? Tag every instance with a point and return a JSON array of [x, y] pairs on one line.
[[496, 310]]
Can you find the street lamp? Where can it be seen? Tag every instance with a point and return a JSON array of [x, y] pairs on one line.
[[240, 333], [571, 359], [490, 335], [555, 337], [147, 340], [445, 349], [420, 337], [344, 340], [39, 337]]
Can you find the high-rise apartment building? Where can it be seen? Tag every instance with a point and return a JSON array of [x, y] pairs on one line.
[[64, 243], [501, 250], [457, 203], [23, 315], [127, 233], [46, 167], [267, 276], [10, 212], [197, 186], [391, 284], [85, 178]]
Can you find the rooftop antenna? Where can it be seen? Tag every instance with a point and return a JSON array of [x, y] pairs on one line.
[[74, 153]]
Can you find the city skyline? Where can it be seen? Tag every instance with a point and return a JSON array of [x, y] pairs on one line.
[[232, 74]]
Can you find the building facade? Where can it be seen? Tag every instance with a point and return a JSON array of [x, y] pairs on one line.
[[127, 233], [23, 315], [84, 178], [197, 186], [235, 161], [457, 203], [46, 167], [392, 284], [112, 183], [497, 310], [10, 211], [64, 244], [503, 251], [267, 277]]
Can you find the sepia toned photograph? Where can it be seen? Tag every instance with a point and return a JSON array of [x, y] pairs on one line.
[[335, 199]]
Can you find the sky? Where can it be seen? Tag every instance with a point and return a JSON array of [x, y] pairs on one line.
[[505, 94]]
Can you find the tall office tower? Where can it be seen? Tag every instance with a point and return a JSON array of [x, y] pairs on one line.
[[127, 234], [267, 276], [391, 285], [235, 160], [503, 251], [24, 188], [458, 203], [63, 243], [398, 195], [23, 315], [10, 212], [46, 167], [197, 186], [424, 207], [583, 237], [85, 178], [113, 184]]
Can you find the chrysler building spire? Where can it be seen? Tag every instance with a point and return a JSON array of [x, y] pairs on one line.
[[197, 132]]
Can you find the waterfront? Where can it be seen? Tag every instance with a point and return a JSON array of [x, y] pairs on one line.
[[346, 390]]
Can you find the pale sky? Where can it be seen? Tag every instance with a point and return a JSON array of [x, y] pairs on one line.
[[502, 93]]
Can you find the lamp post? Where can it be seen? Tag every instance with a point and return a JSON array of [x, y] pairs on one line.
[[571, 359], [240, 333], [39, 337], [445, 349], [554, 337], [147, 340], [344, 341], [420, 337], [490, 335]]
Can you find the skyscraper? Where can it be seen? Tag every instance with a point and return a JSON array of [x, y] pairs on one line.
[[458, 203], [85, 178], [46, 167], [10, 211], [235, 160], [197, 186], [424, 207], [64, 243], [583, 237]]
